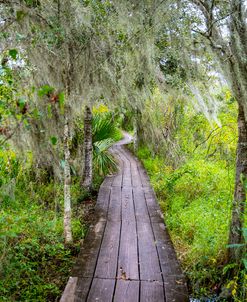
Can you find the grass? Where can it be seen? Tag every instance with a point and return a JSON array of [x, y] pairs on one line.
[[196, 200]]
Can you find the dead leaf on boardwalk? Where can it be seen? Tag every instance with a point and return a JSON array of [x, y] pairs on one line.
[[123, 274]]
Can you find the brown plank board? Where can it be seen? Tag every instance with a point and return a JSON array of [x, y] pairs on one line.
[[108, 255], [152, 292], [153, 207], [128, 253], [168, 260], [107, 181], [82, 289], [102, 204], [148, 256], [135, 176], [136, 179], [69, 291], [114, 209], [101, 290], [176, 289], [141, 211], [128, 212], [127, 291], [117, 179], [126, 171], [87, 258], [144, 176]]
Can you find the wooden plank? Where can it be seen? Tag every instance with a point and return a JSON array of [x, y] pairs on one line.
[[117, 179], [114, 210], [148, 257], [69, 292], [152, 292], [141, 211], [107, 181], [128, 253], [128, 211], [87, 258], [82, 289], [108, 255], [176, 289], [135, 176], [102, 204], [153, 207], [136, 179], [168, 260], [144, 176], [127, 291], [101, 290], [126, 171]]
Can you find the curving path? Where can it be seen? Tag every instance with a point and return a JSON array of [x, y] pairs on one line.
[[127, 255]]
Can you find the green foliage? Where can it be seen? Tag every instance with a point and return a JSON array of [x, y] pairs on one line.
[[53, 140], [13, 53], [103, 160], [195, 193], [35, 262], [103, 127], [105, 133], [45, 90]]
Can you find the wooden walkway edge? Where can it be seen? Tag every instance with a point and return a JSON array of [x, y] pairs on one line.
[[127, 255]]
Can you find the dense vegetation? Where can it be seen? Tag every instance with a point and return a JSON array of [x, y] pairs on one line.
[[35, 261], [72, 73], [195, 193]]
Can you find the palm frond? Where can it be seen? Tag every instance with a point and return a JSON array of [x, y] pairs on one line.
[[104, 162], [103, 128]]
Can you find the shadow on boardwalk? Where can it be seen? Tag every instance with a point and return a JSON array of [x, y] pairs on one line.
[[127, 254]]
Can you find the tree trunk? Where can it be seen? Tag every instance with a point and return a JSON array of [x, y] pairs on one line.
[[238, 207], [67, 183], [88, 150]]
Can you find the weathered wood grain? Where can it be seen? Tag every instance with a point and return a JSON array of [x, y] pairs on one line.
[[148, 257], [101, 290], [87, 259], [127, 255], [152, 292], [108, 255], [127, 291], [141, 211], [114, 209]]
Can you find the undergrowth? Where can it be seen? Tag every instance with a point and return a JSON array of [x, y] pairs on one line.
[[35, 263], [196, 202], [195, 193]]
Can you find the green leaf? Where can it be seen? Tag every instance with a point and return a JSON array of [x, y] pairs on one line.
[[245, 234], [45, 90], [61, 99], [20, 14], [235, 245], [13, 53], [49, 111], [245, 263], [21, 103], [53, 140]]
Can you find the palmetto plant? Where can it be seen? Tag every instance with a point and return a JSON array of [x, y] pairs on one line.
[[105, 133]]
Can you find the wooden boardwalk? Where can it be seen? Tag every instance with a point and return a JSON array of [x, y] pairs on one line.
[[127, 255]]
